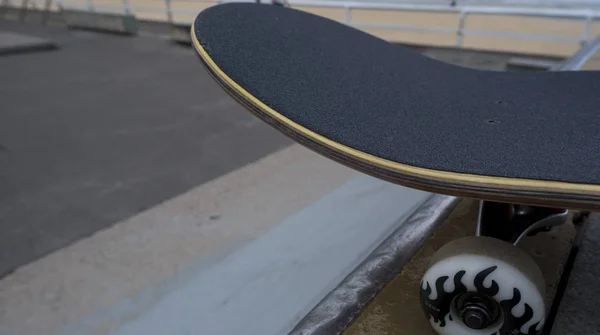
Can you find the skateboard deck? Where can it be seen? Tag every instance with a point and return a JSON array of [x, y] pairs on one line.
[[382, 109]]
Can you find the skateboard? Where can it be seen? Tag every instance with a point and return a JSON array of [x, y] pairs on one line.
[[526, 144]]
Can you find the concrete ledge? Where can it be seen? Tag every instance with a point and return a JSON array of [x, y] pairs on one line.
[[304, 257], [342, 305], [530, 64], [103, 22], [180, 33], [12, 43], [32, 15], [217, 258]]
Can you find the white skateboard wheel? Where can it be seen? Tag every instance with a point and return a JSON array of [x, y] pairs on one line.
[[483, 286]]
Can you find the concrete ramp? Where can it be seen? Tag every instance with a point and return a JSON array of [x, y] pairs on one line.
[[248, 253], [12, 43]]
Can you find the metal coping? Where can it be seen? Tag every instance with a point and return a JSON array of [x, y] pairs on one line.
[[338, 309]]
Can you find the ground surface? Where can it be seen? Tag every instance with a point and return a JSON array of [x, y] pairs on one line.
[[104, 127], [11, 43]]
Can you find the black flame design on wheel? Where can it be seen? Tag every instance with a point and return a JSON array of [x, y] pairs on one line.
[[439, 308]]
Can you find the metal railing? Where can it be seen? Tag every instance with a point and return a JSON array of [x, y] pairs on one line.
[[585, 16], [461, 30], [22, 10]]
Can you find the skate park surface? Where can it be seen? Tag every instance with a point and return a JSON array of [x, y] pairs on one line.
[[147, 201]]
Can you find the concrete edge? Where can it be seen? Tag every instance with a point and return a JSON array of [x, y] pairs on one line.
[[125, 24], [180, 33], [17, 50], [309, 253], [96, 284], [341, 306]]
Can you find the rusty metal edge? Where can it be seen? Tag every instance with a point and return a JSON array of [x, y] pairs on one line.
[[334, 313]]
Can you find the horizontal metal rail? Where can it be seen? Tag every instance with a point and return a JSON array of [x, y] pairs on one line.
[[587, 16]]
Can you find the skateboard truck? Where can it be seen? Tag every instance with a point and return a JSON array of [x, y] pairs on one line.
[[485, 282], [474, 308], [512, 222]]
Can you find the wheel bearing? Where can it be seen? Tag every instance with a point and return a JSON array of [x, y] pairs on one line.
[[477, 311]]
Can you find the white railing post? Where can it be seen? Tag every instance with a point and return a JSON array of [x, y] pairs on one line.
[[24, 9], [46, 14], [3, 7], [348, 14], [169, 11], [461, 27], [589, 20], [126, 7]]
